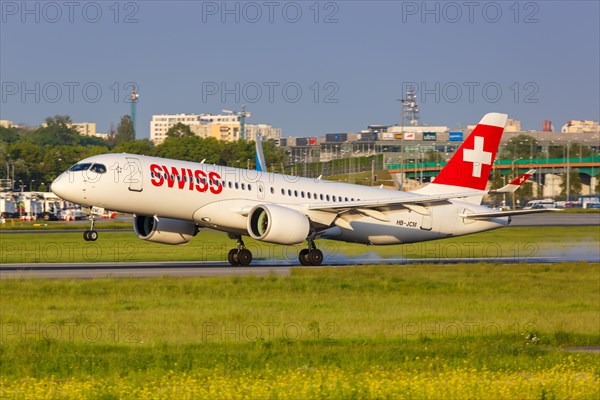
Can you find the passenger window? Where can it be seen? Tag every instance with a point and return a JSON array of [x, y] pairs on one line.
[[249, 187], [236, 185], [243, 186], [302, 194], [289, 192], [327, 197], [308, 195], [295, 193]]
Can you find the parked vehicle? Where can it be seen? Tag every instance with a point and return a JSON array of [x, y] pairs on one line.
[[540, 203]]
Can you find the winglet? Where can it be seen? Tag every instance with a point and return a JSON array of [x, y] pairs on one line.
[[261, 164], [514, 184]]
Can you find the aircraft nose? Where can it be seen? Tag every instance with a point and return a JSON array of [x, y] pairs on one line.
[[59, 186]]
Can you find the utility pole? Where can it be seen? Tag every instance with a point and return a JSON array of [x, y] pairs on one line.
[[567, 189], [373, 170]]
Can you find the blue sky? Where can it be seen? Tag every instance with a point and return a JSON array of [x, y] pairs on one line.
[[309, 68]]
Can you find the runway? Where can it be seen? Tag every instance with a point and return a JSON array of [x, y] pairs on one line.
[[556, 218], [284, 267], [212, 268]]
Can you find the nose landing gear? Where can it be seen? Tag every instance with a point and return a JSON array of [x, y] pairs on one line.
[[91, 235]]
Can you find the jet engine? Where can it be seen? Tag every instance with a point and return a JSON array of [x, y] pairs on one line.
[[164, 230], [276, 224]]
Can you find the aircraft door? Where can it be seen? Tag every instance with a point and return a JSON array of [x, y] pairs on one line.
[[133, 174], [426, 222], [261, 190]]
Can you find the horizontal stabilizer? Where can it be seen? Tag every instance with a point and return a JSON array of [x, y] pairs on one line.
[[514, 184]]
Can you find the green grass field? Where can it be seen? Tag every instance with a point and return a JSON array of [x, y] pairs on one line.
[[427, 331], [521, 243]]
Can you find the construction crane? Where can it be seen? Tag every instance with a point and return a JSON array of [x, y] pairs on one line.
[[133, 97], [243, 114]]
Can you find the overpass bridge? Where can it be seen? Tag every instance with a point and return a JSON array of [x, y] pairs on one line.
[[589, 166]]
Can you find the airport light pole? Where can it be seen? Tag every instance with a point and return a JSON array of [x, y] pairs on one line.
[[401, 173], [567, 187], [514, 176]]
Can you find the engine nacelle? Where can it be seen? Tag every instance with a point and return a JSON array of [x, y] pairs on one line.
[[164, 230], [276, 224]]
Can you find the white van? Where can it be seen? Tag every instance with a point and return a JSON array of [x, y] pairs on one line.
[[545, 203]]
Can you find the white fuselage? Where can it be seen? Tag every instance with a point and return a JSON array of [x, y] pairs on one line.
[[219, 197]]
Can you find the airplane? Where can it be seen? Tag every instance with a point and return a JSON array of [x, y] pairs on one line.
[[173, 200]]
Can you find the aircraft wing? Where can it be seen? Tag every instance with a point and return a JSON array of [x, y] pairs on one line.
[[416, 200], [496, 214]]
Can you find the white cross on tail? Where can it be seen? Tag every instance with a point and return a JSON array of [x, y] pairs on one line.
[[477, 156]]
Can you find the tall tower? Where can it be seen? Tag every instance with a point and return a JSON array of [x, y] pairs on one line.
[[410, 107], [133, 97], [243, 115]]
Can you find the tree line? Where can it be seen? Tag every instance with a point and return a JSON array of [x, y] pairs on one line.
[[34, 157]]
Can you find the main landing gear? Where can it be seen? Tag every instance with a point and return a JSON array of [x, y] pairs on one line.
[[312, 255], [240, 255], [91, 235]]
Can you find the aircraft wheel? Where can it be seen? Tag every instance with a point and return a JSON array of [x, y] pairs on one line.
[[232, 257], [92, 236], [315, 257], [244, 257], [86, 236], [303, 257]]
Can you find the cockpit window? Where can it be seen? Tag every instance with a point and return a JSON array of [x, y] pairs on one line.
[[80, 167], [98, 168]]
